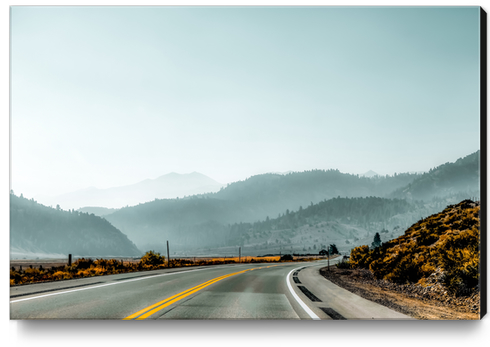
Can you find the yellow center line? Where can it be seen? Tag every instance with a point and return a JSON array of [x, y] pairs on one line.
[[148, 311], [136, 314]]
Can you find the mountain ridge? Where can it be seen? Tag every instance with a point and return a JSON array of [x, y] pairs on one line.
[[448, 178], [170, 185], [262, 197]]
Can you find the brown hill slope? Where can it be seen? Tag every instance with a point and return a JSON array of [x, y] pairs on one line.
[[445, 244]]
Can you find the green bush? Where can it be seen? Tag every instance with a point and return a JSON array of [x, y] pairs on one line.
[[343, 265]]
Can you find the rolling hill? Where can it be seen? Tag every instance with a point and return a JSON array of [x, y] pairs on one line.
[[37, 230], [462, 176]]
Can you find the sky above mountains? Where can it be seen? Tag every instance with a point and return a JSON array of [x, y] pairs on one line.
[[110, 96]]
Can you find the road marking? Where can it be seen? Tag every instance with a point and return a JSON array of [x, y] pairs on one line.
[[332, 313], [54, 289], [302, 304], [107, 284], [139, 278], [150, 310], [309, 294]]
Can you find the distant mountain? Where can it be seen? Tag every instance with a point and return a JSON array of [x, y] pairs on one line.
[[172, 185], [37, 229], [270, 194], [461, 177], [254, 199], [204, 219]]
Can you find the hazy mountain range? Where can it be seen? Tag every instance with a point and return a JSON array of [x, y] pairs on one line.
[[295, 212], [268, 196], [172, 185], [447, 179]]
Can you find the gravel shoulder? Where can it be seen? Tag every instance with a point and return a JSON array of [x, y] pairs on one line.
[[426, 303]]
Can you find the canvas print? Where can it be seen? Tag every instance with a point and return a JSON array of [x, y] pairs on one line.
[[242, 163]]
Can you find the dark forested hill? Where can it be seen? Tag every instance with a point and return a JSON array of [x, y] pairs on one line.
[[460, 177], [208, 223], [277, 193], [337, 219], [37, 229]]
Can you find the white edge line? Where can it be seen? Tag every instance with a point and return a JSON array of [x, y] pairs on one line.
[[104, 285], [110, 284], [303, 305]]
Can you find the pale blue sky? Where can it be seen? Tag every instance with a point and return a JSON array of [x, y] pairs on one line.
[[107, 96]]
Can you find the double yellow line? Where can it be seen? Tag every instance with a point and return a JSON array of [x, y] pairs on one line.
[[148, 311]]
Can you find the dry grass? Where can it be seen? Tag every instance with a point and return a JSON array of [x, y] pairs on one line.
[[34, 271]]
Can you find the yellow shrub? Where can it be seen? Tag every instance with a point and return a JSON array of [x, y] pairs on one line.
[[98, 270], [84, 273], [60, 275], [449, 240], [359, 257]]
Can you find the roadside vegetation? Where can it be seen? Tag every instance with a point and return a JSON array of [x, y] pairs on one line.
[[444, 245], [87, 267]]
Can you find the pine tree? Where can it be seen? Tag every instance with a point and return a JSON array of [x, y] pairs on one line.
[[376, 241], [333, 249]]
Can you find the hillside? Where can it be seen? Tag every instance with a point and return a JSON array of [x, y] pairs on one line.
[[182, 221], [342, 220], [257, 198], [43, 231], [462, 176], [269, 195], [444, 246], [187, 222], [275, 193]]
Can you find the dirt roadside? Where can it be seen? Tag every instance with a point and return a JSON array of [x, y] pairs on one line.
[[414, 301]]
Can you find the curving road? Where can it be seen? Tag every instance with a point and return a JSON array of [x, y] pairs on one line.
[[243, 291]]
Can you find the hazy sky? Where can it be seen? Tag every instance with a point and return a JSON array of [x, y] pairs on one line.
[[108, 96]]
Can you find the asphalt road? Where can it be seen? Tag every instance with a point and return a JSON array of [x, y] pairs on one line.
[[243, 291]]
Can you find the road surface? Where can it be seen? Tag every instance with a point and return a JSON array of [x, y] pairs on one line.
[[233, 291]]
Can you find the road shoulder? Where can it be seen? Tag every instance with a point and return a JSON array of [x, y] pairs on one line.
[[330, 301], [361, 284]]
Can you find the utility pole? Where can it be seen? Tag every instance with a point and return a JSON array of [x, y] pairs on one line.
[[69, 259], [168, 256], [239, 254], [328, 258]]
